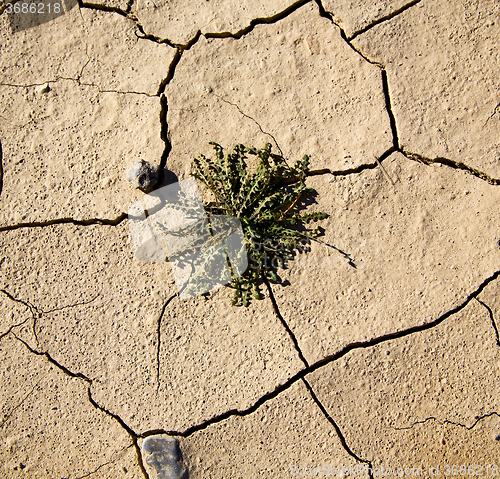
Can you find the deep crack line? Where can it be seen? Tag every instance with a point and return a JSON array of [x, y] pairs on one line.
[[124, 426], [383, 19], [164, 41], [130, 4], [158, 341], [306, 383], [60, 221], [337, 428], [457, 165], [181, 48], [171, 70], [325, 361], [108, 8], [388, 108], [259, 21], [349, 171], [383, 72], [493, 323], [92, 401], [283, 322], [478, 419], [164, 136], [52, 361]]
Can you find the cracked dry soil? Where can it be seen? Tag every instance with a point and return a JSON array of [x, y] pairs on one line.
[[379, 352]]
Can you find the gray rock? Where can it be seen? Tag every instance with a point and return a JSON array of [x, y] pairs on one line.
[[164, 454], [143, 175]]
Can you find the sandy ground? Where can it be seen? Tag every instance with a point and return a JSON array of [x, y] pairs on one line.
[[384, 365]]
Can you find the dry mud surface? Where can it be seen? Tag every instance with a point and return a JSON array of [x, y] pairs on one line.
[[378, 354]]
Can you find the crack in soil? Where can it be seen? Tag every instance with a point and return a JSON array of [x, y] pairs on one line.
[[306, 383], [93, 85], [492, 115], [493, 323], [109, 9], [350, 171], [259, 21], [59, 221], [337, 429], [134, 437], [37, 313], [253, 119], [325, 361], [54, 362], [164, 136], [284, 323], [385, 18], [11, 328], [112, 461], [478, 419], [171, 70], [158, 341], [130, 4], [457, 165], [56, 79], [6, 417]]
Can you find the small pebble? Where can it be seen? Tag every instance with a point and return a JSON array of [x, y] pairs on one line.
[[143, 175], [43, 89]]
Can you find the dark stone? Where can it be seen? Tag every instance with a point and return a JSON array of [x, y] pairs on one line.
[[164, 454], [143, 175]]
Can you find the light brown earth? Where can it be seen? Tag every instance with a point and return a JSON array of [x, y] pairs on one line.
[[380, 349]]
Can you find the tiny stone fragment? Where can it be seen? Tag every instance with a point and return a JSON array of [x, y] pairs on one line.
[[143, 175], [164, 454], [43, 89]]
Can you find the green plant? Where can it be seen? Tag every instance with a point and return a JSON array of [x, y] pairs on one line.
[[266, 202]]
